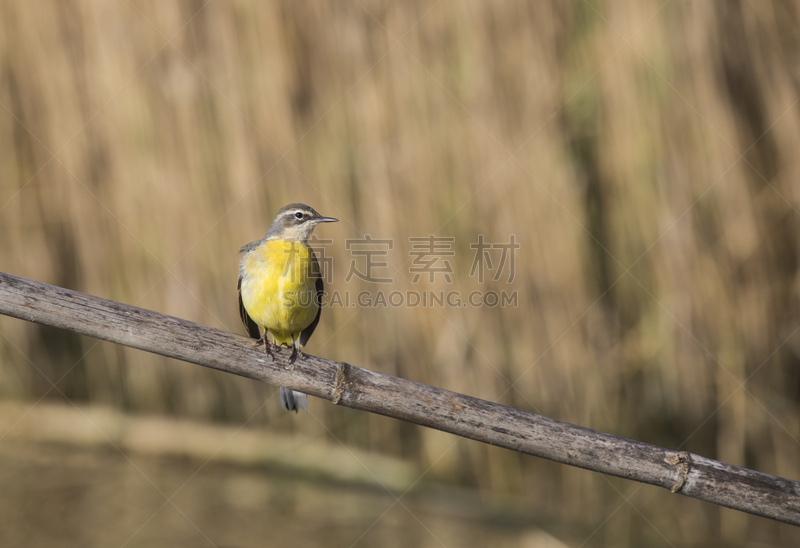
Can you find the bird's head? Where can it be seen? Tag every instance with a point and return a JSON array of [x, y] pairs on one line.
[[295, 222]]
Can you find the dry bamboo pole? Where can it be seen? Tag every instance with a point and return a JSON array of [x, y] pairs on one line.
[[351, 386]]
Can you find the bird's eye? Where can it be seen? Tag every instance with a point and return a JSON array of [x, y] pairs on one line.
[[298, 215]]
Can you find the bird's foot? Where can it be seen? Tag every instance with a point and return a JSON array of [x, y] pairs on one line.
[[268, 346], [295, 354], [292, 357]]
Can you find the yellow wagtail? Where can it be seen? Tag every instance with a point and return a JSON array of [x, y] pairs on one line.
[[280, 287]]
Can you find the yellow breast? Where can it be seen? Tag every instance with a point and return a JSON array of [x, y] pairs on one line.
[[278, 287]]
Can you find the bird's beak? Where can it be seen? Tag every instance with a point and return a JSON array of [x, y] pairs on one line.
[[327, 220]]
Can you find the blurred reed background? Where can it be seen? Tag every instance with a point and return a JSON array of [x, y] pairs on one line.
[[658, 270]]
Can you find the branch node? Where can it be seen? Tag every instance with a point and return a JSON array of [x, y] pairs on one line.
[[341, 382], [684, 460]]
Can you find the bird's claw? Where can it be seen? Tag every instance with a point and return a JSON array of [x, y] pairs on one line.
[[292, 357], [268, 346]]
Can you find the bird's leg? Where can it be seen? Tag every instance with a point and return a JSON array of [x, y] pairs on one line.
[[295, 353], [268, 346]]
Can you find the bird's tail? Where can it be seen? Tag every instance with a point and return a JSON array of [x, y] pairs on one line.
[[292, 400]]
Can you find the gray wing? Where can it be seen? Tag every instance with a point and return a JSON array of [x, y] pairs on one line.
[[249, 324], [252, 245], [306, 333]]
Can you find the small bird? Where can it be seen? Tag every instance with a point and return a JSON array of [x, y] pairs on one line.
[[280, 287]]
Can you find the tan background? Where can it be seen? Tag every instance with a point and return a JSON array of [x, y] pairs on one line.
[[644, 154]]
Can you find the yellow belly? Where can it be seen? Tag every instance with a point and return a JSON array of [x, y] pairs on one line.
[[278, 289]]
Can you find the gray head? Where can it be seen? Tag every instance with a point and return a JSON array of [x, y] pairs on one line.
[[295, 222]]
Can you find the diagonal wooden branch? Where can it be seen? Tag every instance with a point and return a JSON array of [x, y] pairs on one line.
[[344, 384]]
